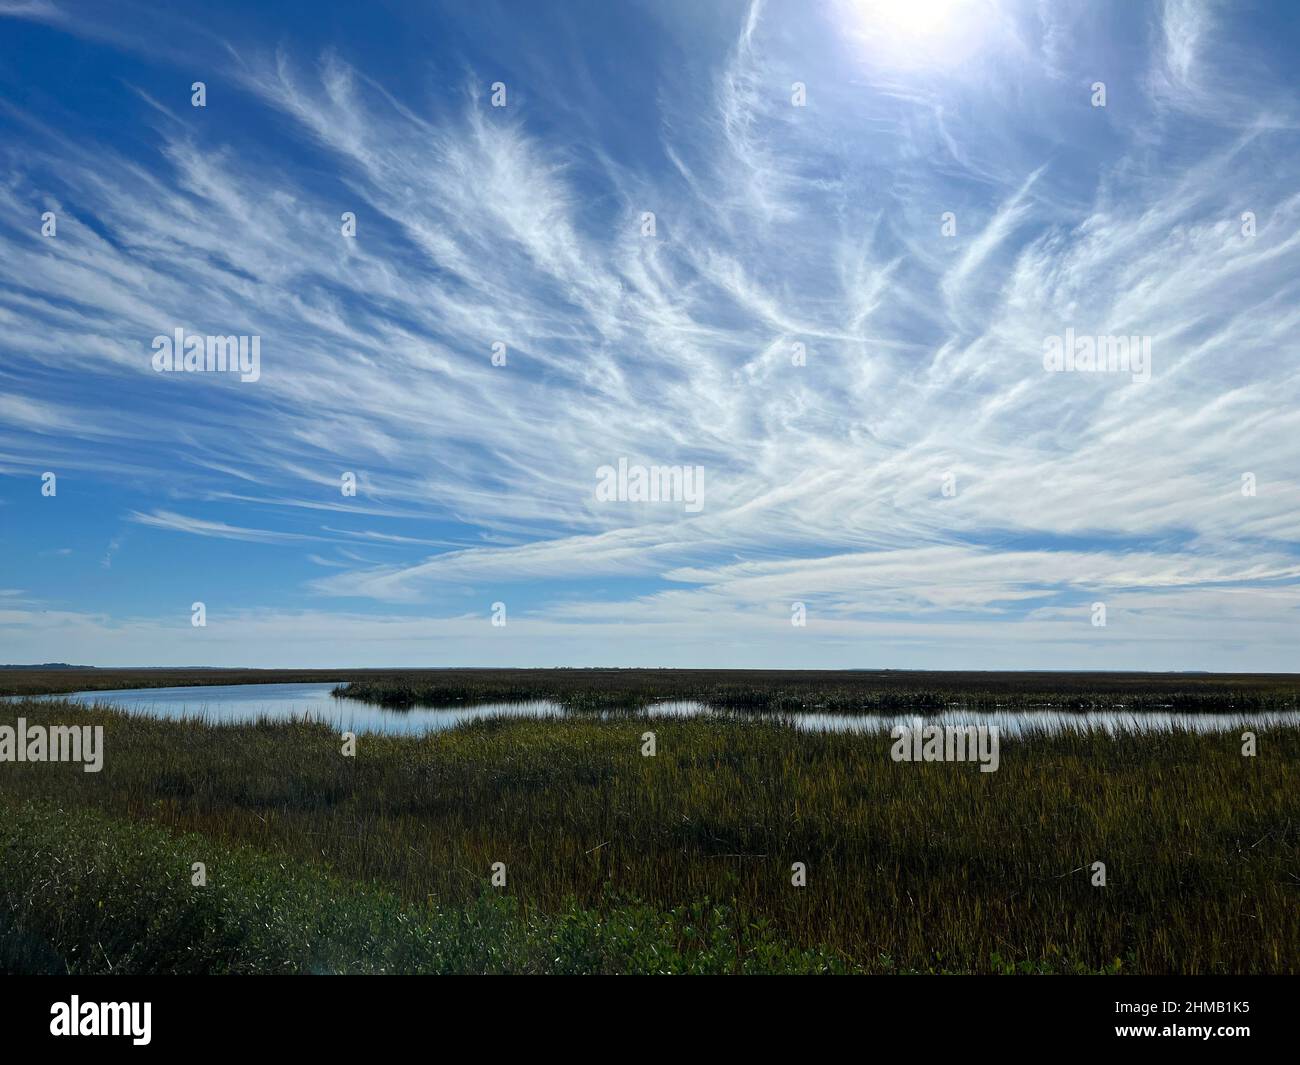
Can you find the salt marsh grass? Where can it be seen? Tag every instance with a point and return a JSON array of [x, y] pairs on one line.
[[911, 867]]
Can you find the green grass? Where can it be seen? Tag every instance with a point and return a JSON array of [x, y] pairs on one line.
[[911, 868], [84, 893]]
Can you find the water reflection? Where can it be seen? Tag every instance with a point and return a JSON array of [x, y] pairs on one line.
[[242, 703]]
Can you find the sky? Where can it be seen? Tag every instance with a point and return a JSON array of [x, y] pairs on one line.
[[813, 268]]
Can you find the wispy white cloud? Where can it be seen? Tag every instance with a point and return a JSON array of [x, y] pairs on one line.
[[166, 519]]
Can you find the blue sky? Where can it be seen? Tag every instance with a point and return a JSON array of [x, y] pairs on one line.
[[869, 219]]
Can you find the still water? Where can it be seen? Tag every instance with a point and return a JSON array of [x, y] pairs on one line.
[[237, 703]]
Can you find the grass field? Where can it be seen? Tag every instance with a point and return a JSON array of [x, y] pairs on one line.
[[678, 862]]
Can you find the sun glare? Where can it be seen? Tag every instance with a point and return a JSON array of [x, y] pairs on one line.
[[911, 16], [920, 33]]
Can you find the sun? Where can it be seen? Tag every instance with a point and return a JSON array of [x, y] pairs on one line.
[[919, 33], [912, 17]]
